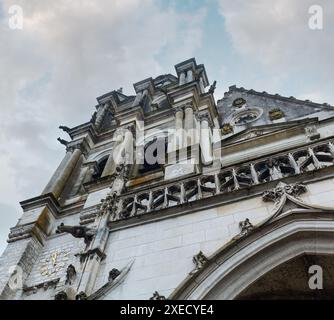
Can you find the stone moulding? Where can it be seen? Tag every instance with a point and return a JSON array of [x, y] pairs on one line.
[[45, 285]]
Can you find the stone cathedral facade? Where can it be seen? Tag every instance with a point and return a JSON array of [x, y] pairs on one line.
[[238, 202]]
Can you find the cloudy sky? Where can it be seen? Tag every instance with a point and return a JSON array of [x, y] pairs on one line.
[[70, 52]]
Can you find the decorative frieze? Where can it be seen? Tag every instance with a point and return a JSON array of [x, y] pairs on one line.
[[291, 189]]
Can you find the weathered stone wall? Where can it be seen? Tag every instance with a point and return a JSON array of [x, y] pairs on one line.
[[162, 251]]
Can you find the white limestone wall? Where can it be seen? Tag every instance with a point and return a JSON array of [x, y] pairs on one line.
[[162, 251]]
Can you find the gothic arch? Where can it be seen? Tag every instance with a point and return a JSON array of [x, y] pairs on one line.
[[239, 264]]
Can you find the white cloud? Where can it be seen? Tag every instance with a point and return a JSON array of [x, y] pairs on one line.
[[67, 54], [275, 36]]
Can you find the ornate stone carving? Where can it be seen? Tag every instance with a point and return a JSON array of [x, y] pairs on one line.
[[245, 227], [227, 129], [113, 274], [239, 102], [62, 295], [70, 274], [111, 283], [199, 260], [281, 189], [81, 296], [77, 232], [157, 296], [276, 114], [312, 133]]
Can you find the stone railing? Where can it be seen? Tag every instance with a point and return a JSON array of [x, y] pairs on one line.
[[228, 179]]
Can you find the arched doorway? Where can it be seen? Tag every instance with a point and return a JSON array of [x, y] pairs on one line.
[[290, 280], [258, 265]]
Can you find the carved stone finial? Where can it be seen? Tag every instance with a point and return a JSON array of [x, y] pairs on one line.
[[70, 274], [282, 188], [157, 296], [227, 129], [245, 227], [77, 232], [199, 260], [113, 274], [62, 141]]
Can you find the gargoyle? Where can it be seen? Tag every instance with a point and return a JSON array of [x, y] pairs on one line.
[[77, 232], [213, 87], [64, 128], [62, 141]]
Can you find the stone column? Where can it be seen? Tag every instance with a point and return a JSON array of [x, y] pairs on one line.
[[128, 146], [60, 177], [205, 141], [190, 76], [188, 125], [201, 84], [137, 99], [100, 114], [178, 135], [182, 78], [122, 148]]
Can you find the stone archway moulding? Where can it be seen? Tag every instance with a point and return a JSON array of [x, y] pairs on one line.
[[240, 263]]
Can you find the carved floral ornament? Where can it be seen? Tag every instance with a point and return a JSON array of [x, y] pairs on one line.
[[286, 198], [276, 114], [227, 129], [239, 102]]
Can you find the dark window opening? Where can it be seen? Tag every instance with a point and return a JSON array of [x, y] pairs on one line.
[[151, 149], [100, 167]]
